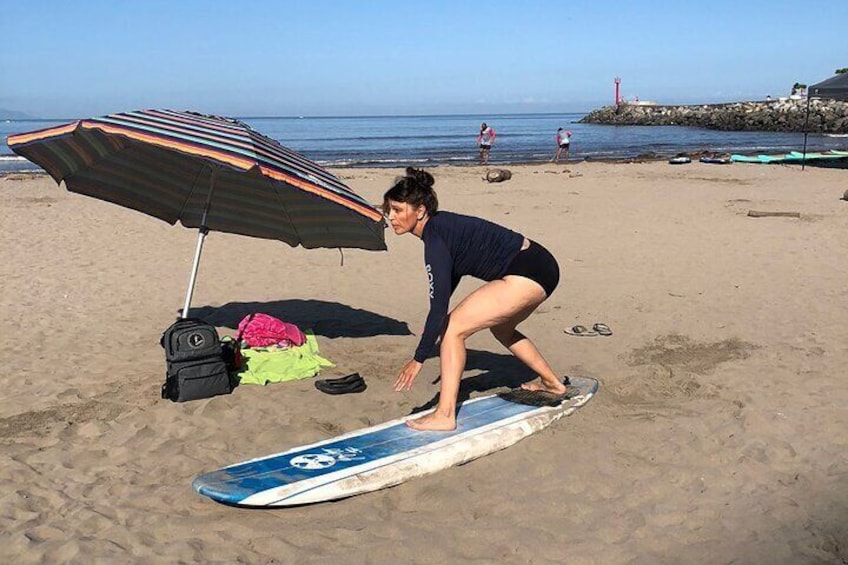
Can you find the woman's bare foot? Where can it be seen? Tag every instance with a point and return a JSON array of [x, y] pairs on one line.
[[554, 388], [433, 423]]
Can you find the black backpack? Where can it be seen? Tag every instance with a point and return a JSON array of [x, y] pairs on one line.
[[195, 362]]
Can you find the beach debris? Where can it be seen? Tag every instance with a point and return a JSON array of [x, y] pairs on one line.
[[845, 196], [759, 214], [22, 176], [498, 175]]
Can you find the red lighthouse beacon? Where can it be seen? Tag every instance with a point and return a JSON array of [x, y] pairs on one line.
[[617, 93]]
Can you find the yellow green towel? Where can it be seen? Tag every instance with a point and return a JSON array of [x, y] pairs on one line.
[[263, 365]]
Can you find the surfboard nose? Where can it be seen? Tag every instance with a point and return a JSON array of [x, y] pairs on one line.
[[218, 486]]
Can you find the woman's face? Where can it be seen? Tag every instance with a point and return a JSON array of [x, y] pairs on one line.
[[403, 216]]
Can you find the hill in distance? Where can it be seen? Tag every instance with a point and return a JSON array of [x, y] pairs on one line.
[[6, 114]]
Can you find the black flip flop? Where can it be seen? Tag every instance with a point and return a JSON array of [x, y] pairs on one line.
[[344, 385], [353, 377]]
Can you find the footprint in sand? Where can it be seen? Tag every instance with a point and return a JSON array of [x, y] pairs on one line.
[[672, 367], [42, 422]]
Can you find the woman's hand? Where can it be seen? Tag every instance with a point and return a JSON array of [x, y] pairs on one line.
[[407, 375]]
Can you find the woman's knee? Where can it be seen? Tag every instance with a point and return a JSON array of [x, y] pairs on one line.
[[458, 328], [455, 333]]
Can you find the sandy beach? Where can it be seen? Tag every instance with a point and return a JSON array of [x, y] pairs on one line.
[[719, 435]]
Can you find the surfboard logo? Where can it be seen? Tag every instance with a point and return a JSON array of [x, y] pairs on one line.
[[329, 457], [313, 461]]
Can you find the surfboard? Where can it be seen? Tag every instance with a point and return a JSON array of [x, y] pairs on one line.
[[791, 157], [384, 455]]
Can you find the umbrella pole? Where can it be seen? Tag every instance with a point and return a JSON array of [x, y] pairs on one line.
[[201, 235], [806, 124]]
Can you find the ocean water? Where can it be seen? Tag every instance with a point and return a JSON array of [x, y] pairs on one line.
[[393, 141]]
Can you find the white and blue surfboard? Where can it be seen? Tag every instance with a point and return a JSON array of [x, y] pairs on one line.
[[381, 456]]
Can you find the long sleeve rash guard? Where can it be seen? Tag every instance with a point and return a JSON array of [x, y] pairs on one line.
[[455, 246]]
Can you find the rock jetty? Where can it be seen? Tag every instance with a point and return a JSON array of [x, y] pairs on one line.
[[826, 116]]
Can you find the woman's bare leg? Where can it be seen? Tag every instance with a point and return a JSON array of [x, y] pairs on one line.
[[484, 154], [494, 304], [526, 352]]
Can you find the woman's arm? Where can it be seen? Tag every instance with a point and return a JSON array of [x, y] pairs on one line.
[[439, 268]]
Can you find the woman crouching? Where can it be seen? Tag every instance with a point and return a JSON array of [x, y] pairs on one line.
[[520, 274]]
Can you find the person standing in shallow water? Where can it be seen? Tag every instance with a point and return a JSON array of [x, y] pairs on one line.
[[520, 274], [485, 140], [563, 141]]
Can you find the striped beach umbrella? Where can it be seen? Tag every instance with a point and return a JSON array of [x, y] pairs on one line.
[[206, 172]]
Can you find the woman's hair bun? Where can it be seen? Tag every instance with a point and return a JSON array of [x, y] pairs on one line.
[[415, 188], [422, 177]]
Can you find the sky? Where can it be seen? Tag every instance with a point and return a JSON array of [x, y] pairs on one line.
[[252, 58]]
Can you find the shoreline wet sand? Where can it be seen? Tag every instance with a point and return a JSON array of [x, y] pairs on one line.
[[717, 435]]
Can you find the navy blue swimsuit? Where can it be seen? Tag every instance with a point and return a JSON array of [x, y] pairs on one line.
[[455, 246]]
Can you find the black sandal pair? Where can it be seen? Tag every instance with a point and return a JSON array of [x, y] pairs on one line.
[[343, 385]]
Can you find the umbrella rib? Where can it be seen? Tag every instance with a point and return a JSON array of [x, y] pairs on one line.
[[286, 213], [190, 192]]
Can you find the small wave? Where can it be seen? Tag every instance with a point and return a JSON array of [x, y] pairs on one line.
[[372, 162], [395, 161], [379, 138], [17, 164]]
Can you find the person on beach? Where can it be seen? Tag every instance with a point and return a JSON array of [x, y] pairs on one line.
[[485, 140], [563, 141], [519, 273]]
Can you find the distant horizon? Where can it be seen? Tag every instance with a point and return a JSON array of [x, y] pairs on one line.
[[9, 114], [328, 116]]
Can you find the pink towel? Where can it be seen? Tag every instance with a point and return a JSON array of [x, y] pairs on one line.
[[260, 330]]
